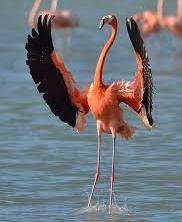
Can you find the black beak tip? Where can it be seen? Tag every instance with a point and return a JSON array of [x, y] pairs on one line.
[[101, 24]]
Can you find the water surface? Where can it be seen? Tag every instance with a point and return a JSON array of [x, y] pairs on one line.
[[47, 169]]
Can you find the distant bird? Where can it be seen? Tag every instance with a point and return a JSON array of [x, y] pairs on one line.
[[149, 20], [63, 18], [173, 24], [71, 105]]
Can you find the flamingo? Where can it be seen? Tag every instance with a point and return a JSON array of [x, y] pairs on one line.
[[63, 19], [150, 21], [72, 105], [173, 24]]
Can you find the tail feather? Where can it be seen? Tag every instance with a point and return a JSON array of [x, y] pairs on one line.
[[126, 131]]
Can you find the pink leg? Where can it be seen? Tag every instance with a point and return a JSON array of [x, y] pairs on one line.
[[98, 164], [112, 175], [97, 172]]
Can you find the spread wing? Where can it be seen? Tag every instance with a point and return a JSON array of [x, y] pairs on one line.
[[53, 80], [138, 93]]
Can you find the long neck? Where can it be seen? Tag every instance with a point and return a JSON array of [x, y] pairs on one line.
[[54, 5], [33, 13], [179, 9], [104, 52], [160, 7]]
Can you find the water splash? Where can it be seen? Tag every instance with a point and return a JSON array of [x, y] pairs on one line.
[[102, 208], [98, 207]]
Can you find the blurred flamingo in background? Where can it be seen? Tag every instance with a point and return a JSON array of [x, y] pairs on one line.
[[173, 24], [71, 105], [63, 18], [149, 20]]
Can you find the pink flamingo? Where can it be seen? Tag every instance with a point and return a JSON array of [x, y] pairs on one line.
[[173, 24], [63, 19], [71, 105], [150, 21]]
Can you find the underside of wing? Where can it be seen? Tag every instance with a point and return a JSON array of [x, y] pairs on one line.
[[49, 79], [142, 85]]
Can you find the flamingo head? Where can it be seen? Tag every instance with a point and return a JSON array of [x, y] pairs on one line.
[[108, 19]]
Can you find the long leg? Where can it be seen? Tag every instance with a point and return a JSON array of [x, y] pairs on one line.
[[112, 170], [99, 131], [179, 9]]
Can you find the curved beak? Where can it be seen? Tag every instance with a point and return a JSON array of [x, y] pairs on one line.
[[102, 22]]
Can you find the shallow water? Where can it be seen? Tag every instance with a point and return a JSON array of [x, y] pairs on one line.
[[47, 169]]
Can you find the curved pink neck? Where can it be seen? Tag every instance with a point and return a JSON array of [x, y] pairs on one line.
[[54, 5], [33, 13], [179, 9], [160, 7], [104, 52]]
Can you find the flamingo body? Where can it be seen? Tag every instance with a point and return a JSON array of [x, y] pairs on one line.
[[104, 106], [153, 22], [149, 22], [173, 24]]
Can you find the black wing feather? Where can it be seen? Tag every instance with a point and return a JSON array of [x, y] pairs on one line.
[[44, 73], [138, 44]]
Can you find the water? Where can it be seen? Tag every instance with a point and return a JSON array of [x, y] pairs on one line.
[[47, 169]]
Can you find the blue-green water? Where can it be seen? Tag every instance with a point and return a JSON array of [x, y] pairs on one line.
[[47, 169]]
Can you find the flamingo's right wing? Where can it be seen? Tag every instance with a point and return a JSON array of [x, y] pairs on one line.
[[54, 80], [138, 93]]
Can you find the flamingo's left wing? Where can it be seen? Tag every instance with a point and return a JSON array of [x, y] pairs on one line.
[[138, 93], [53, 79]]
